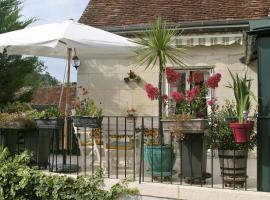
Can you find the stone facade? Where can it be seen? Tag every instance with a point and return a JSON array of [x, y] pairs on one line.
[[104, 78]]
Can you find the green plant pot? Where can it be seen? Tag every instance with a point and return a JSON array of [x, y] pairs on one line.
[[159, 159]]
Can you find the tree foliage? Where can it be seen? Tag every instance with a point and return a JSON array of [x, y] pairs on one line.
[[18, 71]]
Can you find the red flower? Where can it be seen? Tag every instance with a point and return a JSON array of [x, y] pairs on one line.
[[212, 81], [189, 79], [178, 97], [164, 97], [152, 92], [172, 76], [193, 93], [198, 77], [211, 102]]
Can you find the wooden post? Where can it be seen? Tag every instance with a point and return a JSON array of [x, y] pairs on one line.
[[69, 50]]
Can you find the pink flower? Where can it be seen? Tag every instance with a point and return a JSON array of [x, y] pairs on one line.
[[211, 102], [152, 92], [212, 81], [172, 76], [177, 97]]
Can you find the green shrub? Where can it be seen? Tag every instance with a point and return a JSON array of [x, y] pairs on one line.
[[18, 181], [50, 113], [220, 135]]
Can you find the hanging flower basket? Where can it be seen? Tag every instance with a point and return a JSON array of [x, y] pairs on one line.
[[242, 131]]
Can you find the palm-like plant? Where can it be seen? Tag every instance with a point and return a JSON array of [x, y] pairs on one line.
[[157, 48], [242, 94]]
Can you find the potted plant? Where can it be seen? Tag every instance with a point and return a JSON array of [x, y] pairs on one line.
[[157, 48], [14, 117], [86, 113], [232, 156], [132, 77], [187, 121], [48, 121], [50, 118], [242, 128]]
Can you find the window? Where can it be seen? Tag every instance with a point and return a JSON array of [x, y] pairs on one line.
[[202, 73]]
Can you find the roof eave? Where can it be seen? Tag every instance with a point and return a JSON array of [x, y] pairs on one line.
[[186, 26]]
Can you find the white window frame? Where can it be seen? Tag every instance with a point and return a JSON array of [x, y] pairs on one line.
[[186, 70]]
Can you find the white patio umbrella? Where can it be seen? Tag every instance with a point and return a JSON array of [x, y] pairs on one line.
[[63, 40]]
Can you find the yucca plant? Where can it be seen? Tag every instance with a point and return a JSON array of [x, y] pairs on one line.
[[157, 48], [242, 93]]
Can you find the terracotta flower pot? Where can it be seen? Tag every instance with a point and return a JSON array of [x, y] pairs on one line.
[[242, 131]]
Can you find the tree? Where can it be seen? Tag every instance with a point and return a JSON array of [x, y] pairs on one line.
[[17, 71], [157, 48]]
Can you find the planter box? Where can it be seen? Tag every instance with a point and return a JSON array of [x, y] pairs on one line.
[[49, 123], [13, 125], [193, 148], [186, 126], [86, 121]]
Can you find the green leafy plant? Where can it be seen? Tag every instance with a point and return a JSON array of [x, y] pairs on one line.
[[18, 181], [157, 48], [15, 107], [132, 76], [220, 135], [86, 106], [50, 113], [15, 113], [242, 93]]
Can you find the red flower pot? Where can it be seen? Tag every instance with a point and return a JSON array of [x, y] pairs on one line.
[[242, 131]]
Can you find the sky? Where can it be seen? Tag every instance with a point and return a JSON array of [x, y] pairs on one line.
[[50, 11]]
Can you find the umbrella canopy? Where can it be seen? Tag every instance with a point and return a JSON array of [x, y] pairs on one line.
[[52, 40], [60, 40]]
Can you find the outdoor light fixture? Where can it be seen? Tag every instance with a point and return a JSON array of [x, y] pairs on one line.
[[76, 61]]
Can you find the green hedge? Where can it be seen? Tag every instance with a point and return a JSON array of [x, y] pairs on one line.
[[18, 181]]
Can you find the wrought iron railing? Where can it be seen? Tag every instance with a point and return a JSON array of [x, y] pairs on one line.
[[127, 147]]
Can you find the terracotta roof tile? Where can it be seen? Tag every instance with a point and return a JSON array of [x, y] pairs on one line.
[[110, 13], [50, 95]]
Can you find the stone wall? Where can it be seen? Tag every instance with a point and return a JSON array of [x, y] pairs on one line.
[[104, 78]]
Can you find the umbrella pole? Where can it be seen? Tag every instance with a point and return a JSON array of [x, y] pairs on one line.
[[66, 167], [69, 51]]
